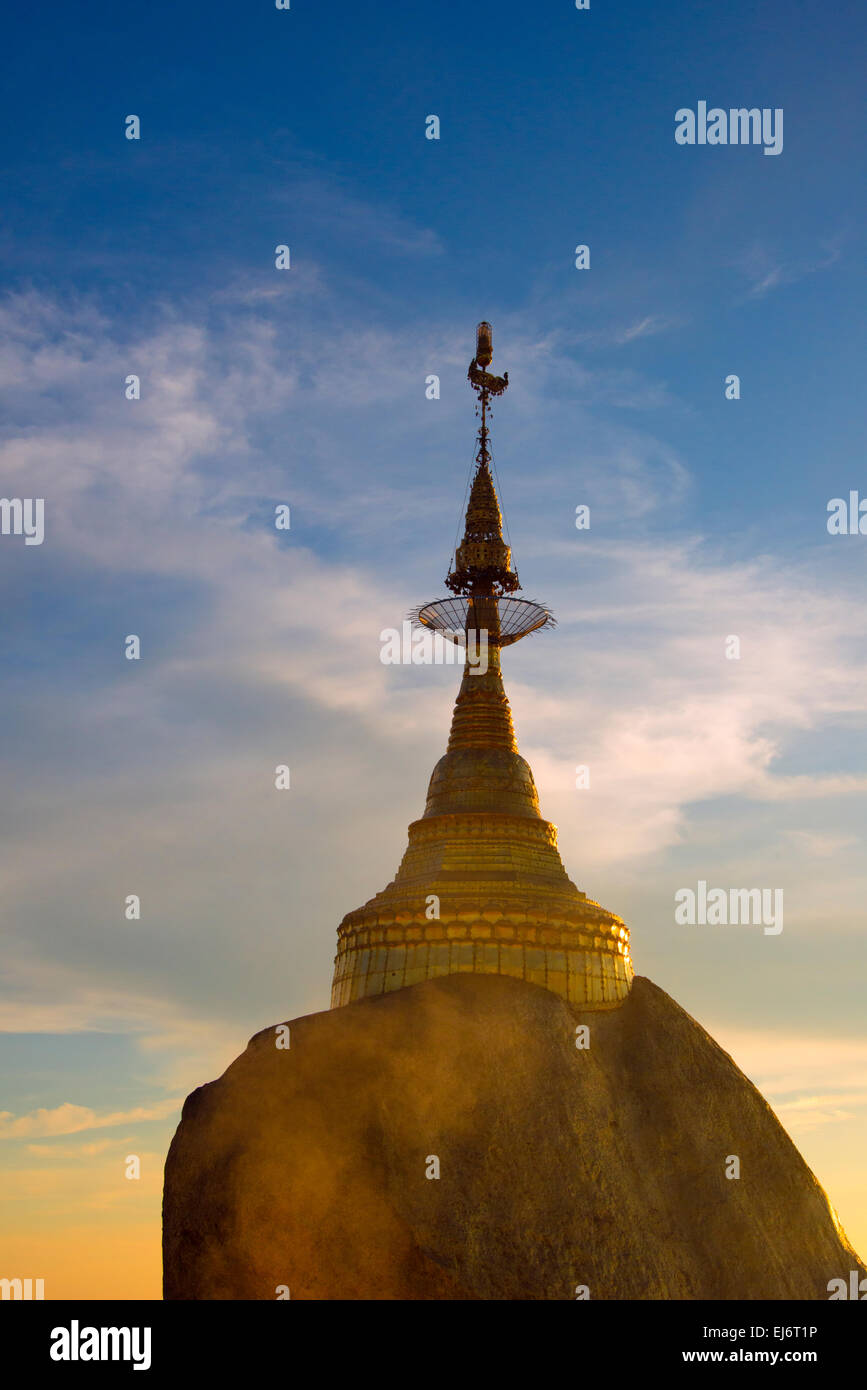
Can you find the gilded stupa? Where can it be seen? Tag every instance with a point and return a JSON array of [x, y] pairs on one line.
[[481, 886]]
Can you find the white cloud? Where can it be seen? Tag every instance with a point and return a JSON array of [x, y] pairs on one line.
[[646, 327], [72, 1119]]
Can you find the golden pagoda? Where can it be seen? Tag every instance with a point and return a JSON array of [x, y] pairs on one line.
[[481, 886]]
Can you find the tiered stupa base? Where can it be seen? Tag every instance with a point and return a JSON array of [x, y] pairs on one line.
[[505, 907]]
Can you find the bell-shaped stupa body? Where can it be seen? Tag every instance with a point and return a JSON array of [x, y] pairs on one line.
[[481, 886]]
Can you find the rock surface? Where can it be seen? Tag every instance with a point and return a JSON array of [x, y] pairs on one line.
[[559, 1167]]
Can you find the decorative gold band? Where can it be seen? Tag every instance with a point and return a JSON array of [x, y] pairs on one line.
[[589, 979]]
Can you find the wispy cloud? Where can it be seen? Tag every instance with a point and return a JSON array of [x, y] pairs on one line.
[[646, 327], [767, 271], [72, 1119], [811, 1081], [74, 1151]]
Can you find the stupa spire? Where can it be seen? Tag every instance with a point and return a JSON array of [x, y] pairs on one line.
[[482, 563], [481, 885]]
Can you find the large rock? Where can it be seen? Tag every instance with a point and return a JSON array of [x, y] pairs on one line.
[[559, 1167]]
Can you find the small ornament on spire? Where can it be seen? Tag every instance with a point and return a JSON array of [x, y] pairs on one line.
[[483, 383], [484, 344]]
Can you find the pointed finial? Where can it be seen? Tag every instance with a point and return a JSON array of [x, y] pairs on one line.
[[484, 344], [483, 383]]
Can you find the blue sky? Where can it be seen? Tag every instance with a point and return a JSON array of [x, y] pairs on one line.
[[557, 127], [156, 257]]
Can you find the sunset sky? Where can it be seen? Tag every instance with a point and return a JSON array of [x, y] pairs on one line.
[[259, 387]]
